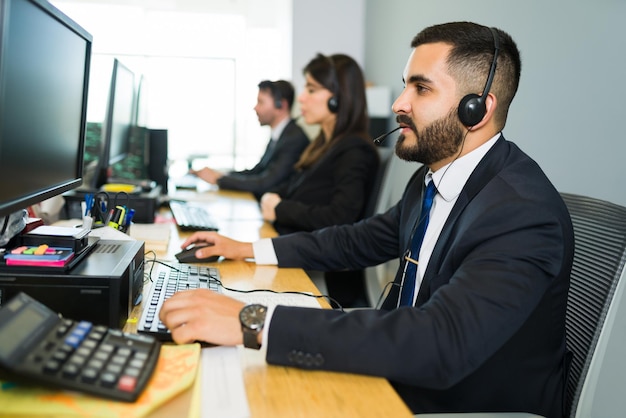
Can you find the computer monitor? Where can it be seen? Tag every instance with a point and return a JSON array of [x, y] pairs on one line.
[[118, 121], [44, 79]]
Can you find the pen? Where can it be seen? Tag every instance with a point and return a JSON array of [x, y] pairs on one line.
[[129, 216], [88, 203]]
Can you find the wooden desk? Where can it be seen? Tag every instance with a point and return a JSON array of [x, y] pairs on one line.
[[276, 391]]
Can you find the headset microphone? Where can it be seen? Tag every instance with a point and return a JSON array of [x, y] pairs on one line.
[[379, 139]]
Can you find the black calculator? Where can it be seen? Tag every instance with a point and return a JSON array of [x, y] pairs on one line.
[[40, 347]]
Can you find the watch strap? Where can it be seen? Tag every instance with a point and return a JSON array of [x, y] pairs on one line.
[[250, 339]]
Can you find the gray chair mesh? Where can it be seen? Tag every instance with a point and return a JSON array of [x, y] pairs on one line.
[[600, 253]]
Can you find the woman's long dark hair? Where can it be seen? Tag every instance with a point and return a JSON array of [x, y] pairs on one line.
[[341, 75]]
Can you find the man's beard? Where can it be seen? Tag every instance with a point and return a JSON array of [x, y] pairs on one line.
[[438, 141]]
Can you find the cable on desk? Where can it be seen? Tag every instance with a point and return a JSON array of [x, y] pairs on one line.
[[148, 275], [331, 301]]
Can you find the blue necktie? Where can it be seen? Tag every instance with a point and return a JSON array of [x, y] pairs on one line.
[[410, 272]]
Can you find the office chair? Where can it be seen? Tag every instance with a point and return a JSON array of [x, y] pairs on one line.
[[385, 155], [392, 180], [596, 312]]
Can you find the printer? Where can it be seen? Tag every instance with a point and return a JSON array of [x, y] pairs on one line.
[[103, 287]]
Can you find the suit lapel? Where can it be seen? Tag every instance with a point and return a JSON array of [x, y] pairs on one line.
[[491, 164]]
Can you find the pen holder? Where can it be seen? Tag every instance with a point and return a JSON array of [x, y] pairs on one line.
[[87, 222], [125, 228]]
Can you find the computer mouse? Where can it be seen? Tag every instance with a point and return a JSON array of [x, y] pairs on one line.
[[188, 255]]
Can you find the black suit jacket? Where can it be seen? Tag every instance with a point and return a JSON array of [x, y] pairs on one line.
[[487, 332], [276, 165], [333, 191]]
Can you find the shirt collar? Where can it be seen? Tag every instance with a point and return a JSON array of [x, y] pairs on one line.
[[451, 178], [278, 130]]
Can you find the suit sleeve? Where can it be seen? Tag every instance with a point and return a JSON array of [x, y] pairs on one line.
[[257, 180], [352, 169], [486, 289]]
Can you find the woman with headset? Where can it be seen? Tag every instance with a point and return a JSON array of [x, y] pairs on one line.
[[335, 173]]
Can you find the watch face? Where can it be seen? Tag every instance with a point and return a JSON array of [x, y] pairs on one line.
[[253, 316]]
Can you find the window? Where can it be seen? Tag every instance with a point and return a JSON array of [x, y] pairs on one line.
[[199, 70]]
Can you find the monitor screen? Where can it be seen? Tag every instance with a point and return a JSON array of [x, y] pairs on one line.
[[118, 121], [44, 77]]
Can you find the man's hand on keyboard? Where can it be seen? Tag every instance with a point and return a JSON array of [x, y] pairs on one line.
[[202, 315], [226, 247]]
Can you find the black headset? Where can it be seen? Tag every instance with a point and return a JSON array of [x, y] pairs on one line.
[[278, 97], [333, 102], [472, 108]]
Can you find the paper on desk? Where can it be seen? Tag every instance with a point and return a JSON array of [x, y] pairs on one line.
[[155, 236], [223, 392]]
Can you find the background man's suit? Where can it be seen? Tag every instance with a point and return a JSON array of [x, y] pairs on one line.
[[275, 166]]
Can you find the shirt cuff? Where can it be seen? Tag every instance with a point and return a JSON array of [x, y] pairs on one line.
[[264, 252], [266, 330]]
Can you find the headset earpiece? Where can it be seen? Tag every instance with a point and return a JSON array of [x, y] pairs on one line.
[[472, 107], [333, 104], [278, 103]]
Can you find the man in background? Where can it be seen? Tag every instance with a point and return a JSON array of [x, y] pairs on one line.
[[288, 140]]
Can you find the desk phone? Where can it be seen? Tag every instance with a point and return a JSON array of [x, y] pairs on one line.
[[40, 347]]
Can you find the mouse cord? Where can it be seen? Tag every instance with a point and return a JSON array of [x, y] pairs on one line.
[[331, 301]]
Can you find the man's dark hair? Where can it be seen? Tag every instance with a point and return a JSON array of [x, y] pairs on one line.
[[279, 90], [470, 59]]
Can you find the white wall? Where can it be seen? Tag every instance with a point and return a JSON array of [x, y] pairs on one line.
[[568, 109], [328, 27]]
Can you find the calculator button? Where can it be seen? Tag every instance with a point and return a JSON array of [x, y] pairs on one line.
[[71, 370], [138, 363], [73, 340], [51, 366], [101, 329], [108, 379], [132, 371], [120, 360], [89, 375], [95, 336], [124, 351], [101, 355], [83, 351], [127, 383], [60, 356], [107, 348], [66, 348], [95, 364], [114, 368], [90, 344], [78, 360]]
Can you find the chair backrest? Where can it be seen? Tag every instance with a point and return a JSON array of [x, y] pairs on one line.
[[393, 181], [596, 332], [385, 155]]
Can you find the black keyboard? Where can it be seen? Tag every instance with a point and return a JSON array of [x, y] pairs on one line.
[[170, 279], [39, 347], [192, 218]]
